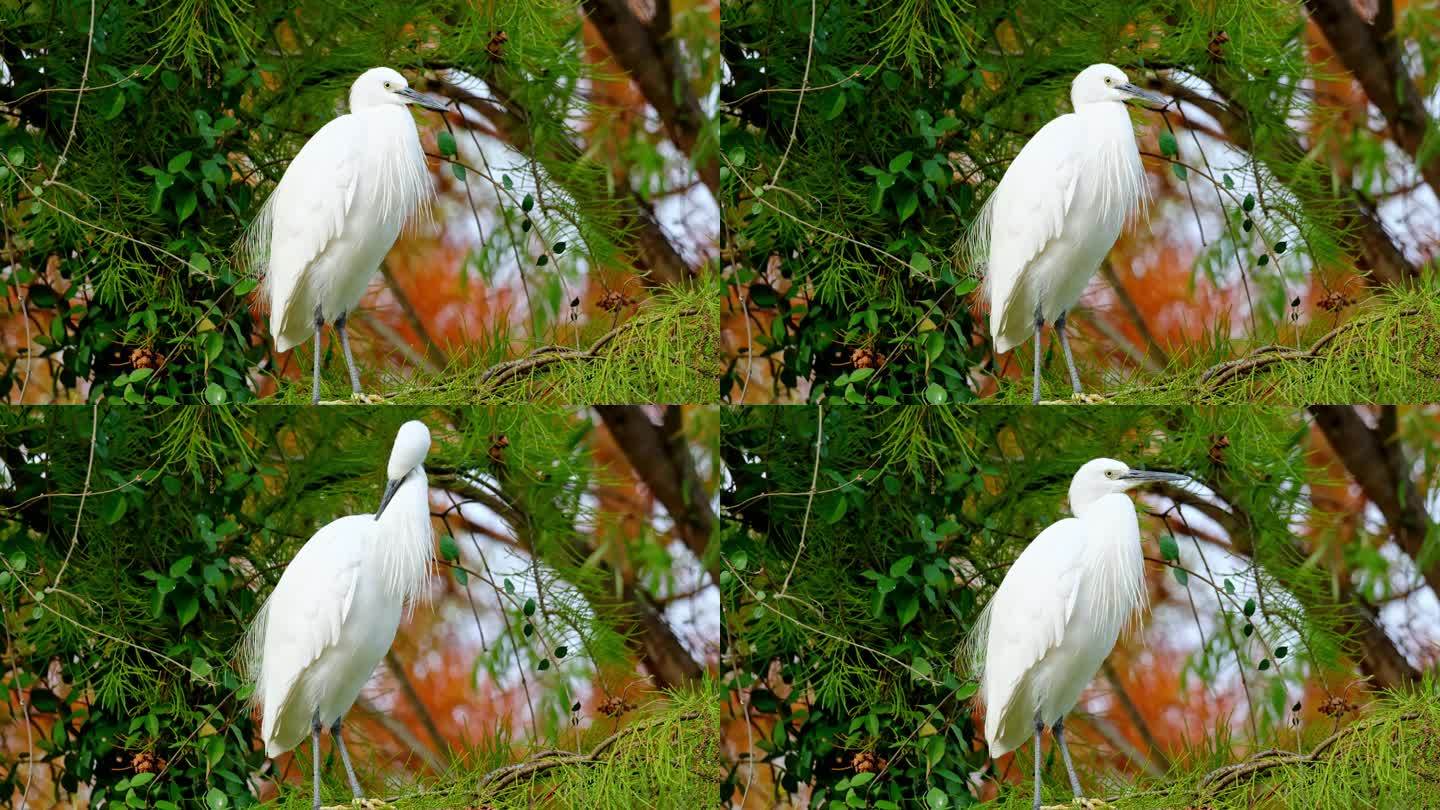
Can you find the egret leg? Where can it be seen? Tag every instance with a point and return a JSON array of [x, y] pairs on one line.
[[1039, 330], [349, 361], [1065, 752], [345, 757], [315, 385], [1069, 361], [1039, 727], [315, 750]]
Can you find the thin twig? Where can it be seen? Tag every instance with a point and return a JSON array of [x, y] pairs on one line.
[[804, 82], [814, 478], [85, 490], [79, 97]]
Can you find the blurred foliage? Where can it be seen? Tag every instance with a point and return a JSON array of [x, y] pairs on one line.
[[846, 613], [859, 141], [123, 608]]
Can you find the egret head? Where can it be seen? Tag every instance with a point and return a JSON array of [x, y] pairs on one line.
[[383, 85], [1100, 83], [412, 444], [1105, 476]]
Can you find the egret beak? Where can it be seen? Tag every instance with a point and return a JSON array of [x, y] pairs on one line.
[[422, 100], [1151, 477], [390, 489], [1143, 95]]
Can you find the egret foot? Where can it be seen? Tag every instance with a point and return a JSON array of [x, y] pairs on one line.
[[1088, 399], [368, 399], [369, 804]]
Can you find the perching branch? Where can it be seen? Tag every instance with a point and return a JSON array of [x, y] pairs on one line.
[[1224, 777], [507, 371], [545, 760], [1229, 370]]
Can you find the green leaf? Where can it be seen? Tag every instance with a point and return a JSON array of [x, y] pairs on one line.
[[178, 162], [446, 142], [1281, 246], [1264, 664], [457, 170], [966, 691], [900, 161], [1282, 651], [1181, 576], [185, 203], [544, 664], [1180, 171], [836, 107], [861, 374], [181, 565], [201, 667], [527, 203], [16, 155], [214, 394], [188, 607], [863, 778], [838, 510], [1249, 203], [936, 799], [141, 779], [1168, 147], [1169, 549], [216, 799], [449, 549], [935, 394], [562, 651], [901, 566], [1250, 607], [530, 607], [908, 204], [920, 265]]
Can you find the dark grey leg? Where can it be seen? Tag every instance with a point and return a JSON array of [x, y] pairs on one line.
[[1039, 727], [1069, 361], [1039, 333], [315, 750], [319, 332], [1065, 752], [345, 757], [349, 361]]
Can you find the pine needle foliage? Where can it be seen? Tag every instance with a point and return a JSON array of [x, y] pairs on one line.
[[122, 203], [125, 608], [846, 610], [860, 139]]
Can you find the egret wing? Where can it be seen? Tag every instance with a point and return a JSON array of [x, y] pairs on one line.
[[304, 614], [1025, 214], [306, 213], [1028, 615]]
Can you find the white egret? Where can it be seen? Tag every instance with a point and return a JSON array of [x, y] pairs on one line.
[[337, 211], [1059, 611], [336, 608], [1058, 210]]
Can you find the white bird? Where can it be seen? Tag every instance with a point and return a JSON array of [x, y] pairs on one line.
[[337, 211], [336, 608], [1059, 611], [1057, 212]]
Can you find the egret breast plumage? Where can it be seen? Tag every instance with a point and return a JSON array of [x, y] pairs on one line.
[[1059, 611], [1057, 212], [336, 212], [334, 612]]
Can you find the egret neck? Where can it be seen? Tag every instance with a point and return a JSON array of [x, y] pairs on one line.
[[403, 545]]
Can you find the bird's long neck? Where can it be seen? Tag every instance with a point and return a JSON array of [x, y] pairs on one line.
[[1113, 557], [1116, 159], [405, 541]]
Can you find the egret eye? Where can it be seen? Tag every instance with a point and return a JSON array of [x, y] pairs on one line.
[[387, 84], [1107, 81], [1109, 473]]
